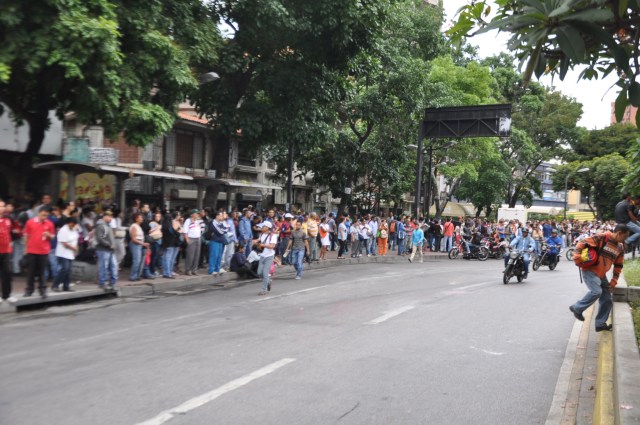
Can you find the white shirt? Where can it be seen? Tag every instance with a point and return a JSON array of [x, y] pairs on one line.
[[69, 236], [267, 239], [192, 229]]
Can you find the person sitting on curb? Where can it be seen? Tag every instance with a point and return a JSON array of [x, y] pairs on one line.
[[611, 254], [240, 265]]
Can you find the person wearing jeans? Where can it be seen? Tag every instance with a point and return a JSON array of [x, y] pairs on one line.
[[448, 228], [137, 247], [218, 230], [595, 276], [268, 242], [171, 231], [66, 250], [106, 251], [300, 243], [6, 227]]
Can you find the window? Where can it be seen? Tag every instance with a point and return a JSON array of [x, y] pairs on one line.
[[189, 149]]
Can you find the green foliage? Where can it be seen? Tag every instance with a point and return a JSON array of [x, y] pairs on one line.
[[124, 64], [617, 138], [602, 183], [632, 180], [554, 36]]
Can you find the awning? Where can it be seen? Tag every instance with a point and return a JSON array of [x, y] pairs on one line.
[[81, 167], [235, 183]]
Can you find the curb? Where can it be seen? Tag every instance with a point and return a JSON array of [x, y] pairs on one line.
[[626, 367], [228, 280], [604, 412]]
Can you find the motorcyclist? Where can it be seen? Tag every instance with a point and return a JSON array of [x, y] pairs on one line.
[[467, 234], [524, 244], [555, 242]]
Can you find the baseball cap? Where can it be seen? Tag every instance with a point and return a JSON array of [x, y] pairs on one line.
[[288, 215], [266, 224], [194, 211], [108, 212]]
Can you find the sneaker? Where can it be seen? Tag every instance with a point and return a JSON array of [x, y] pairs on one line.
[[69, 290], [298, 277], [410, 260], [578, 316], [269, 286], [55, 289], [604, 327], [223, 271]]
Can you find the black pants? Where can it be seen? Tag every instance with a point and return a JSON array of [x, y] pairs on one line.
[[5, 275], [36, 264], [343, 245]]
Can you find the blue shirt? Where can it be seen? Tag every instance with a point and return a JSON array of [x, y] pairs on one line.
[[553, 242], [418, 237], [523, 244]]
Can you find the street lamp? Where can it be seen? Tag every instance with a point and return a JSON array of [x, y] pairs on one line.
[[566, 183]]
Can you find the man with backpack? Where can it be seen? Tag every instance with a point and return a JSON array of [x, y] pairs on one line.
[[105, 244], [605, 250]]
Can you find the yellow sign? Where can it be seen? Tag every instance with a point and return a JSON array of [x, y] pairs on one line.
[[89, 186]]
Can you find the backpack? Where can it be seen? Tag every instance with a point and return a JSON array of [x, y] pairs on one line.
[[384, 234], [392, 227], [208, 233], [589, 255]]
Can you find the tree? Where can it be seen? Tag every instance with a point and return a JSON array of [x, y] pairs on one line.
[[382, 97], [279, 67], [601, 184], [553, 36], [121, 63], [616, 138]]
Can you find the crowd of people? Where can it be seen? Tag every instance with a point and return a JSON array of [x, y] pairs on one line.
[[46, 238]]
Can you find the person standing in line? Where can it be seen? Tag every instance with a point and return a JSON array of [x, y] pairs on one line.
[[192, 234], [6, 229], [400, 236], [245, 231], [373, 236], [393, 232], [312, 232], [611, 254], [137, 245], [38, 233], [354, 232], [171, 231], [106, 251], [267, 242], [217, 230], [285, 226], [383, 238], [325, 238], [66, 251], [417, 241], [230, 242], [343, 236], [365, 232], [332, 231], [448, 228], [120, 234], [299, 247]]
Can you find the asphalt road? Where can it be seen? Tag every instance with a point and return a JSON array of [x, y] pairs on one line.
[[434, 343]]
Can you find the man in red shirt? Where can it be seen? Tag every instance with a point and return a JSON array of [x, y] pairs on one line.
[[6, 227], [38, 233]]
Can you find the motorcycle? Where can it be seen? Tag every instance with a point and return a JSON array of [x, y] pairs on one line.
[[496, 249], [546, 258], [515, 267], [477, 251]]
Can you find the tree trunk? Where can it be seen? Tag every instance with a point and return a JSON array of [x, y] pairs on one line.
[[22, 166]]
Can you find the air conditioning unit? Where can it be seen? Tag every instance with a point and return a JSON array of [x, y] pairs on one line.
[[211, 174], [171, 169]]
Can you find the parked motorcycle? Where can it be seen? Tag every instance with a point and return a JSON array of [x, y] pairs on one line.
[[496, 250], [546, 258], [515, 267], [480, 252]]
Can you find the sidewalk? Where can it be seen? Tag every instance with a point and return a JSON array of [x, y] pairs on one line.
[[86, 290]]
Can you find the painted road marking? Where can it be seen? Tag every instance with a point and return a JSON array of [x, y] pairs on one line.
[[205, 398], [389, 315]]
